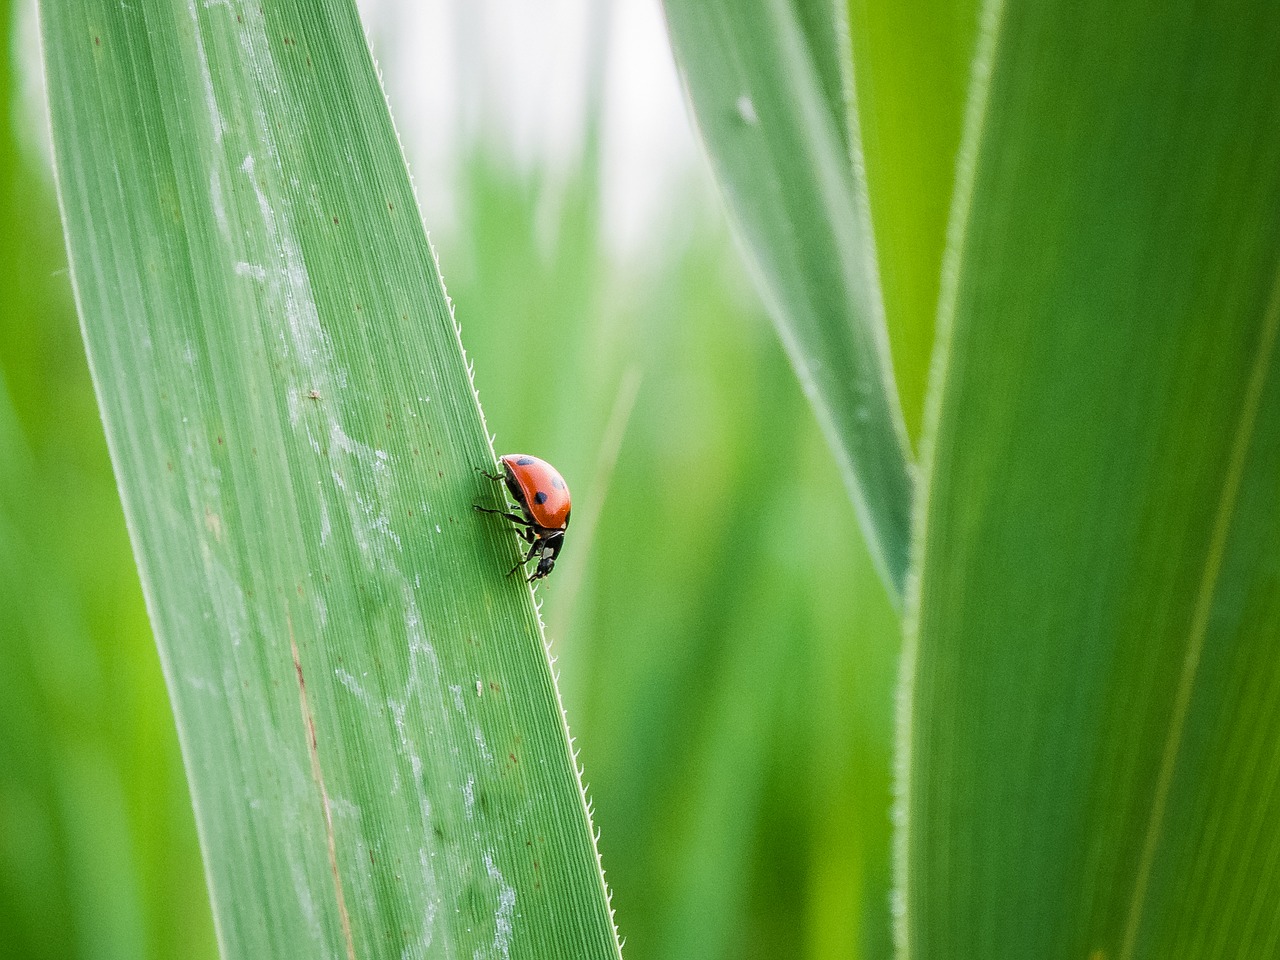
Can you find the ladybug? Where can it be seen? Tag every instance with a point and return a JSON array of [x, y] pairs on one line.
[[543, 497]]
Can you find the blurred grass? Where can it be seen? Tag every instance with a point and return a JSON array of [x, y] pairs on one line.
[[727, 558], [911, 68], [98, 855]]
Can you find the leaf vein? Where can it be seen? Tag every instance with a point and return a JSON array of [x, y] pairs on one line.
[[1200, 616]]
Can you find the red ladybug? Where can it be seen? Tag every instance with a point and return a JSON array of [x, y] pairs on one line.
[[543, 497]]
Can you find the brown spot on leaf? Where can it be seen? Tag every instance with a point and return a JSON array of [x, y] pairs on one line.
[[318, 775]]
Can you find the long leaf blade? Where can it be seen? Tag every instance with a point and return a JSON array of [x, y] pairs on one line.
[[764, 80], [372, 734], [1090, 743]]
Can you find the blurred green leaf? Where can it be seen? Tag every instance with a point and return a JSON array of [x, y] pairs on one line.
[[911, 62], [743, 826], [765, 81], [98, 851], [1092, 726], [373, 739]]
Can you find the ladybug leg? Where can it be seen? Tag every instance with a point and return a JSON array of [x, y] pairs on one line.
[[525, 559], [494, 477], [502, 513]]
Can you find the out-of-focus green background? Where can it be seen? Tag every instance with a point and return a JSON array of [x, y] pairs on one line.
[[727, 654]]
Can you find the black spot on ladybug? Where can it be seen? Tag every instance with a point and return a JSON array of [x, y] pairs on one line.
[[524, 461], [539, 497], [557, 483]]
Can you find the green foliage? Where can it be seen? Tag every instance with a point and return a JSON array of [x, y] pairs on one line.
[[373, 740], [1092, 725], [1087, 724]]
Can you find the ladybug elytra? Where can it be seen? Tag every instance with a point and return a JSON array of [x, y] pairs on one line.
[[543, 497]]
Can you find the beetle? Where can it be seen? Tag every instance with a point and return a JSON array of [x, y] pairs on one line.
[[543, 497]]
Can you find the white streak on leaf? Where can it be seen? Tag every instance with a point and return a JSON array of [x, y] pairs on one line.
[[506, 909], [456, 690], [206, 77], [469, 796], [253, 270], [352, 684], [217, 201], [478, 735]]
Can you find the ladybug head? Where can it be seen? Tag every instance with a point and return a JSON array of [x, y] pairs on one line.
[[548, 550]]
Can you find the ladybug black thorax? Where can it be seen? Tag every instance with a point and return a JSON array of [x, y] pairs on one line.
[[550, 550]]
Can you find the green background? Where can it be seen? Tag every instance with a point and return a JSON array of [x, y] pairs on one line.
[[1075, 239]]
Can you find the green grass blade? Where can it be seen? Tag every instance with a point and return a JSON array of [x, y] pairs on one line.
[[373, 739], [765, 83], [1096, 699]]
